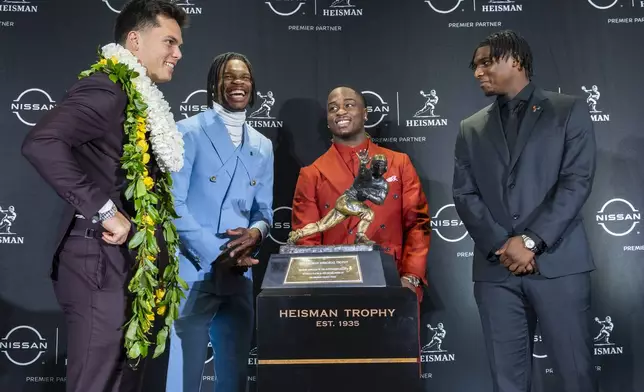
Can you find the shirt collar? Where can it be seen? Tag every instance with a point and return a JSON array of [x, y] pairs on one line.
[[347, 151], [524, 95]]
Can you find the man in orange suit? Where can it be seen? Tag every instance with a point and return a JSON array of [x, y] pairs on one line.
[[400, 225]]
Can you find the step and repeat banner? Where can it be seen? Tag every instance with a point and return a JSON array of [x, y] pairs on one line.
[[410, 59]]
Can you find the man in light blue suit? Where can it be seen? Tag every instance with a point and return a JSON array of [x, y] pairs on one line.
[[224, 197]]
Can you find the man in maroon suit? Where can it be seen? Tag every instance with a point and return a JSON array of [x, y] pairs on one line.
[[77, 149]]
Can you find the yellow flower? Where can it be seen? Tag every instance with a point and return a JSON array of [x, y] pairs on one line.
[[114, 60], [150, 316], [146, 158], [160, 293], [161, 310], [140, 135], [140, 120], [103, 62], [146, 326], [145, 172], [148, 220], [143, 144], [149, 182], [151, 258]]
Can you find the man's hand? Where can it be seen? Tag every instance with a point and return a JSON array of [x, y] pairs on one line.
[[247, 261], [515, 257], [248, 239], [117, 229]]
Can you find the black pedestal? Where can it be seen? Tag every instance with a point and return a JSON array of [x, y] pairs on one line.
[[334, 339]]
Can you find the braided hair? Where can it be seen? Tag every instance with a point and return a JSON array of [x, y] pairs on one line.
[[216, 93], [507, 43]]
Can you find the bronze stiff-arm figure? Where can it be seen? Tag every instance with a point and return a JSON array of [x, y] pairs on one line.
[[368, 185]]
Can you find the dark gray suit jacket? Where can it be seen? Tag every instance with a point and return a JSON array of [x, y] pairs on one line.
[[541, 187], [77, 147]]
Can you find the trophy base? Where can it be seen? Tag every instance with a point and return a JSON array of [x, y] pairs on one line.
[[295, 249]]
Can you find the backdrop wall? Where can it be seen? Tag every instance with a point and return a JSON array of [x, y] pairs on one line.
[[402, 54]]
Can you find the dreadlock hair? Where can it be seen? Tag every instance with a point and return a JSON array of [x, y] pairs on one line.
[[507, 43], [216, 94]]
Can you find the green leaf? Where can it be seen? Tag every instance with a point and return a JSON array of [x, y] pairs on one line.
[[182, 283], [114, 78], [137, 239], [162, 336], [160, 348], [154, 214], [129, 192], [131, 330], [140, 188], [144, 350], [135, 351]]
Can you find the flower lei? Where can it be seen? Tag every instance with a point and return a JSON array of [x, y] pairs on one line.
[[148, 120]]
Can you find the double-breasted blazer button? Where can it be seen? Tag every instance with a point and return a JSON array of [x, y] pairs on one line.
[[382, 226], [326, 205], [213, 179], [395, 196], [253, 183]]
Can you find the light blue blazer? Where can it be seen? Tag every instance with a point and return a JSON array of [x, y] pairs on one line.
[[220, 187]]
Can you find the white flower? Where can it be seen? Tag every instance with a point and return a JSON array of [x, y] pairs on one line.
[[166, 141]]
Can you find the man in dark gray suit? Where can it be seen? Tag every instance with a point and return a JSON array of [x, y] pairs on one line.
[[524, 167]]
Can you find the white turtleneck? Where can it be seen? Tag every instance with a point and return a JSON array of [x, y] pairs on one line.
[[234, 122]]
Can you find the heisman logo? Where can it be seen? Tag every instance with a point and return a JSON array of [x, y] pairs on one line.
[[592, 100], [427, 113], [433, 351], [7, 218], [620, 215], [603, 345], [261, 118], [21, 347], [281, 225], [17, 6]]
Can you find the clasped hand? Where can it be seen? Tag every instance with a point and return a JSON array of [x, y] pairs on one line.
[[515, 257], [243, 245]]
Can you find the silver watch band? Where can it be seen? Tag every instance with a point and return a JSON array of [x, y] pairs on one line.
[[102, 217]]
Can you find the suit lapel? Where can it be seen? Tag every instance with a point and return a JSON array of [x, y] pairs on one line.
[[336, 172], [248, 152], [494, 130], [532, 114], [216, 131]]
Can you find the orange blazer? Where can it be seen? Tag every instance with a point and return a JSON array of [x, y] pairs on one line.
[[401, 224]]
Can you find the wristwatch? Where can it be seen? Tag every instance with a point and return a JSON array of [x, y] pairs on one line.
[[103, 216], [412, 279], [529, 243]]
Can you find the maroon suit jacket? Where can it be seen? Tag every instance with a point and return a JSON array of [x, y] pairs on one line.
[[77, 148]]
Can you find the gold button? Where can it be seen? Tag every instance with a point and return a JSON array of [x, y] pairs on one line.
[[253, 183], [213, 179]]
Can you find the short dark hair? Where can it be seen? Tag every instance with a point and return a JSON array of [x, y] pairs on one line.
[[218, 64], [358, 92], [141, 14], [507, 43]]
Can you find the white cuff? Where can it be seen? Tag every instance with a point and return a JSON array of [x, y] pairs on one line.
[[108, 206], [263, 228]]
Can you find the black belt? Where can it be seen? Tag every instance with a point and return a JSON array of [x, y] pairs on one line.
[[87, 233]]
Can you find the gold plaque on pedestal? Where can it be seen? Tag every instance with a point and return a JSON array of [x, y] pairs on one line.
[[323, 269]]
